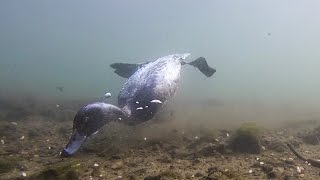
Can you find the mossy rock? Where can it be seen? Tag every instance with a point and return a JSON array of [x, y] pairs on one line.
[[64, 171], [247, 139], [250, 128]]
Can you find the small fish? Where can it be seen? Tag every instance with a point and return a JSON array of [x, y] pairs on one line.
[[60, 88]]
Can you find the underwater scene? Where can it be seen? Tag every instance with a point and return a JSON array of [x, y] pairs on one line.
[[159, 90]]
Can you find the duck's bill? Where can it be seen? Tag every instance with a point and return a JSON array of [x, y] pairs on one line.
[[74, 144]]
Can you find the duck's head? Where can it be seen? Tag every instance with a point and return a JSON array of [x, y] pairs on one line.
[[88, 120]]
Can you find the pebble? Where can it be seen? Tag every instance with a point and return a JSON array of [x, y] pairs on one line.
[[289, 161], [2, 141], [117, 165], [57, 105], [267, 168], [23, 174], [281, 169], [96, 165], [145, 138], [272, 175], [198, 174], [22, 137], [300, 169], [96, 172], [14, 123], [250, 171]]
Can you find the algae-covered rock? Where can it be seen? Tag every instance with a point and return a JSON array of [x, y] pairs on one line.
[[64, 170], [247, 139]]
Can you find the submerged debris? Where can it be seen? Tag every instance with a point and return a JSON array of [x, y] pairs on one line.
[[315, 163]]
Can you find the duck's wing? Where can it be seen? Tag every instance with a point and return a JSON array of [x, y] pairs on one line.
[[126, 70]]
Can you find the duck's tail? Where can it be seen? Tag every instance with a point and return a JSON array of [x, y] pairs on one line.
[[202, 65]]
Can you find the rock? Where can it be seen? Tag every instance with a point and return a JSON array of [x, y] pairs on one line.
[[267, 168], [256, 165], [246, 139], [212, 177], [165, 159], [198, 174], [278, 146], [139, 172], [117, 165], [312, 139], [289, 161], [158, 177], [272, 175], [206, 151], [212, 170], [132, 177], [96, 172], [246, 143], [169, 174]]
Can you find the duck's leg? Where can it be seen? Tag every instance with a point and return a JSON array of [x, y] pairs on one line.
[[202, 65]]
